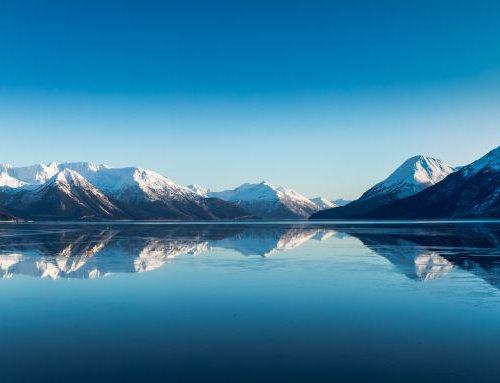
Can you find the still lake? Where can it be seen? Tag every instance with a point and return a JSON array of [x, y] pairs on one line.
[[281, 302]]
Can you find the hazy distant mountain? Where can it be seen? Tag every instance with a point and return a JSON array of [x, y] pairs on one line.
[[323, 203], [341, 201], [471, 192], [269, 202], [413, 176], [117, 193]]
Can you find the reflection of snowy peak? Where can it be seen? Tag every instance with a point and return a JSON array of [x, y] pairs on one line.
[[158, 252], [265, 242], [267, 201], [84, 252]]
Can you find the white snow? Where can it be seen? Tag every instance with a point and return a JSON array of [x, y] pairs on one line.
[[116, 181], [266, 193], [490, 161], [200, 190], [261, 191], [123, 182], [34, 174], [414, 175]]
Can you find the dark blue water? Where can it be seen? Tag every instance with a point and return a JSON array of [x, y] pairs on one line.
[[243, 302]]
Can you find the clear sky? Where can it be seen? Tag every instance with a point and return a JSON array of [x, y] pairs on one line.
[[326, 97]]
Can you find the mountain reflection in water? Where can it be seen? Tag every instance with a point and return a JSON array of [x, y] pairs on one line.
[[420, 251]]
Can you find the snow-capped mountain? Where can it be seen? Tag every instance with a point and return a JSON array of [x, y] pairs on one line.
[[471, 192], [67, 195], [414, 175], [139, 193], [323, 203], [269, 202]]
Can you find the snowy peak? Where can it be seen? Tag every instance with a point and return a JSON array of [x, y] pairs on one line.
[[323, 203], [77, 187], [200, 190], [419, 170], [68, 177], [129, 181], [267, 201], [414, 175], [248, 192]]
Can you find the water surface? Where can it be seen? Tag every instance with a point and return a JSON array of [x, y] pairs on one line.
[[250, 302]]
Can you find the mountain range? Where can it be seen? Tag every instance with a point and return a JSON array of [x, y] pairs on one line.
[[422, 187], [98, 250], [89, 191], [267, 201]]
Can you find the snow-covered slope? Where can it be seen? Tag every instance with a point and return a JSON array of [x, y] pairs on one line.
[[67, 195], [31, 175], [150, 195], [323, 203], [200, 190], [414, 175], [130, 182], [269, 202], [142, 193], [7, 180]]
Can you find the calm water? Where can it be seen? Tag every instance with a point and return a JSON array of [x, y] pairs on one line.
[[250, 302]]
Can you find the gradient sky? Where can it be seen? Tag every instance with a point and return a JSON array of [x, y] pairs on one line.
[[326, 97]]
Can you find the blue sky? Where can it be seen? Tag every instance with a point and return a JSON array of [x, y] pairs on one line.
[[323, 96]]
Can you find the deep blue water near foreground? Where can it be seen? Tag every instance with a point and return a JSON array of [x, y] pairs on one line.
[[276, 302]]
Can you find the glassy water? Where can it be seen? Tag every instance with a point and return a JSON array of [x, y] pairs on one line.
[[250, 302]]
